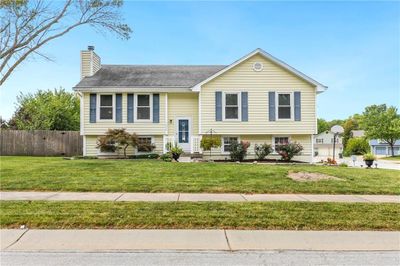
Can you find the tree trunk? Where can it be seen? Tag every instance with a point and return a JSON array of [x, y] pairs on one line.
[[392, 148], [126, 146]]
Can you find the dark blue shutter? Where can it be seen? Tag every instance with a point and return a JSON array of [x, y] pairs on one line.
[[218, 106], [245, 111], [271, 106], [156, 108], [297, 106], [130, 108], [92, 112], [118, 108]]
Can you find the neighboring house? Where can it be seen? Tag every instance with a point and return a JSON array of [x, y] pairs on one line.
[[258, 98], [323, 145], [380, 147], [357, 133]]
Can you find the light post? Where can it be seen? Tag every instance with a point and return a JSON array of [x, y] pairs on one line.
[[336, 130]]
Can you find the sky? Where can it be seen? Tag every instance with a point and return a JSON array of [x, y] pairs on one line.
[[352, 47]]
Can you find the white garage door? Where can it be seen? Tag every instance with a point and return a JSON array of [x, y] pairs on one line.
[[380, 150]]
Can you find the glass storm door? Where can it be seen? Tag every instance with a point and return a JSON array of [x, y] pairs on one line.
[[184, 134]]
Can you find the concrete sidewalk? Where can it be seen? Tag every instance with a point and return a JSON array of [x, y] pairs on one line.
[[223, 240], [193, 197]]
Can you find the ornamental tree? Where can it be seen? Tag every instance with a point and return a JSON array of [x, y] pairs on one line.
[[383, 123]]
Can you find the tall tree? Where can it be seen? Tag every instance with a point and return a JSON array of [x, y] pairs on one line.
[[382, 122], [46, 110], [26, 26], [322, 125], [348, 126]]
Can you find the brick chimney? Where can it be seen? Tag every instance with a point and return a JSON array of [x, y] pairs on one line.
[[90, 62]]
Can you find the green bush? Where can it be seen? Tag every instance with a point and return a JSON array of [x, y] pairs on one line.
[[238, 151], [144, 156], [262, 151], [166, 157], [356, 146], [208, 142], [369, 157], [288, 151]]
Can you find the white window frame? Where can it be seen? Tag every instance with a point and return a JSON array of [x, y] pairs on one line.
[[239, 94], [291, 107], [136, 107], [319, 141], [143, 152], [98, 107], [223, 143], [280, 136]]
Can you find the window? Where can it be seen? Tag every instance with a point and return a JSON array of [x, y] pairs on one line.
[[320, 140], [280, 141], [143, 107], [284, 106], [106, 107], [227, 141], [144, 144], [231, 107]]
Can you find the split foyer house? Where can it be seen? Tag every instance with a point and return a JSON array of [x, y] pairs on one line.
[[258, 98]]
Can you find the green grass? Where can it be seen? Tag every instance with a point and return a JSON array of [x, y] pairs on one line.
[[391, 158], [56, 174], [181, 215]]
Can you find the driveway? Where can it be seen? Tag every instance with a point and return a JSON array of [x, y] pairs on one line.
[[380, 163]]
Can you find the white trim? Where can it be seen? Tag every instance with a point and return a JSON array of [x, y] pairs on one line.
[[279, 136], [222, 142], [81, 114], [320, 87], [239, 94], [291, 106], [98, 107], [189, 135], [150, 120], [84, 146], [143, 152], [316, 115], [312, 148], [166, 114], [200, 116]]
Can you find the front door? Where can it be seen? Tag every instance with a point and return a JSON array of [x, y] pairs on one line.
[[183, 133]]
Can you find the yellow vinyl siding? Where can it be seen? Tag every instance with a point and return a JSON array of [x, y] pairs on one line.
[[140, 128], [272, 78], [183, 105], [91, 149]]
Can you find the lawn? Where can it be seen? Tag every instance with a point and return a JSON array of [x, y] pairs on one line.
[[391, 158], [181, 215], [57, 174]]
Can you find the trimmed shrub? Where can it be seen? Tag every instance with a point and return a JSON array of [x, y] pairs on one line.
[[144, 156], [288, 151], [208, 142], [238, 151], [262, 151]]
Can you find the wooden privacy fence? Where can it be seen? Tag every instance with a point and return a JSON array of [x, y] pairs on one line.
[[40, 143]]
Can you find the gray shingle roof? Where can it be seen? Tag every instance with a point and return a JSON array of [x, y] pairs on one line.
[[184, 76]]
